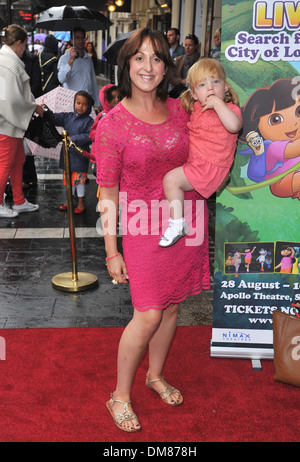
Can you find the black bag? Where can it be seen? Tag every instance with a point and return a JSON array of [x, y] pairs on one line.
[[42, 131]]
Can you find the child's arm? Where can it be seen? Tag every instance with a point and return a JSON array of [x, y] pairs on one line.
[[83, 138], [228, 118], [57, 118]]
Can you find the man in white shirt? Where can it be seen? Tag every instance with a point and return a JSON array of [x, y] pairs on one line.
[[76, 70]]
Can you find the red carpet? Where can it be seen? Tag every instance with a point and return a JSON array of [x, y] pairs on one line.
[[55, 383]]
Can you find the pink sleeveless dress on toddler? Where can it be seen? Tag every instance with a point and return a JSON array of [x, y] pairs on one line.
[[137, 155], [211, 150]]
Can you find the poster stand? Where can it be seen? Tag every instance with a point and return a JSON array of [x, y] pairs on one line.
[[256, 365], [254, 354], [257, 244]]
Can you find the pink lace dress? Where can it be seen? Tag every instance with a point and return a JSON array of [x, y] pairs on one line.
[[137, 155]]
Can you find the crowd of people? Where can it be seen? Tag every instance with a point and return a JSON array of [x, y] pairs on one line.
[[74, 64], [135, 142]]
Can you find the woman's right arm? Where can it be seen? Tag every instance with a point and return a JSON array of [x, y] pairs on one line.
[[109, 208]]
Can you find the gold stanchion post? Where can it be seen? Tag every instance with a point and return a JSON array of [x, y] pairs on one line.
[[73, 281]]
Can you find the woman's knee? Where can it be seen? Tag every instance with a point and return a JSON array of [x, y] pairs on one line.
[[171, 310], [148, 321]]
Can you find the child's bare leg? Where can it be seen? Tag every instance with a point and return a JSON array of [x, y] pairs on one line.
[[81, 203], [80, 189], [175, 184]]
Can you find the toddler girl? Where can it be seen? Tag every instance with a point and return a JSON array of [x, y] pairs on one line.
[[213, 129]]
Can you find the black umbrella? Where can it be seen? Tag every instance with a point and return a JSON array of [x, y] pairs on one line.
[[67, 17], [112, 51], [43, 5]]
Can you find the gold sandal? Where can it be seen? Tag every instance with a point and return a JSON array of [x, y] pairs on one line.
[[166, 392], [126, 415]]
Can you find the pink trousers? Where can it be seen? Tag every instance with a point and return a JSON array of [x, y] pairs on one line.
[[12, 158]]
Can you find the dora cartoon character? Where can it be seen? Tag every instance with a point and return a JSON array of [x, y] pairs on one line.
[[287, 260], [248, 257], [273, 113]]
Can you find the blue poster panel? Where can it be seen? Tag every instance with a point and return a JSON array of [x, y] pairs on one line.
[[257, 242]]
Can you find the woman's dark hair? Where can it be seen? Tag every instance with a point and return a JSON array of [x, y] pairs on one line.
[[13, 33], [131, 48], [280, 95], [93, 48]]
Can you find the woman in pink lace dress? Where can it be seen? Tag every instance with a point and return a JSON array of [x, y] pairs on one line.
[[137, 142]]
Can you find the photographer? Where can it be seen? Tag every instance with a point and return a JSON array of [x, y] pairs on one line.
[[75, 68]]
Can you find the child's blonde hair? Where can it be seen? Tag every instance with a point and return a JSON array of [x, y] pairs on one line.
[[198, 72]]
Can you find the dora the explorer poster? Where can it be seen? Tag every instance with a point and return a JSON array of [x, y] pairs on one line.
[[257, 256]]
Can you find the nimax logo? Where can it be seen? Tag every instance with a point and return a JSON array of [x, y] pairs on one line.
[[236, 336]]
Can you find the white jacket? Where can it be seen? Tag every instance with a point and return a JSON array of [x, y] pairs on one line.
[[16, 106]]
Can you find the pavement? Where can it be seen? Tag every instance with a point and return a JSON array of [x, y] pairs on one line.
[[35, 247]]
